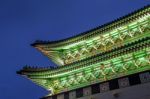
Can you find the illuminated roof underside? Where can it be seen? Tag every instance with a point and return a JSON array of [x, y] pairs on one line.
[[117, 49], [82, 46]]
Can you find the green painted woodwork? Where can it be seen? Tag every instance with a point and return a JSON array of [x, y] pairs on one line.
[[62, 79], [119, 49], [130, 48]]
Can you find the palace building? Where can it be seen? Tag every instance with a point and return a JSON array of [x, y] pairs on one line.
[[108, 62]]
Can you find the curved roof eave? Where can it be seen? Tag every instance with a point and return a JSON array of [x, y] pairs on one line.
[[89, 32]]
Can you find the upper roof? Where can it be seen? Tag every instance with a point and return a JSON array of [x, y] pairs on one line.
[[103, 28], [71, 49]]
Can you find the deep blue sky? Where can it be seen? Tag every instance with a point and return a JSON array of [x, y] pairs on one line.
[[24, 21]]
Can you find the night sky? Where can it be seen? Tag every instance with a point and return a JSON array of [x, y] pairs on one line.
[[24, 21]]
